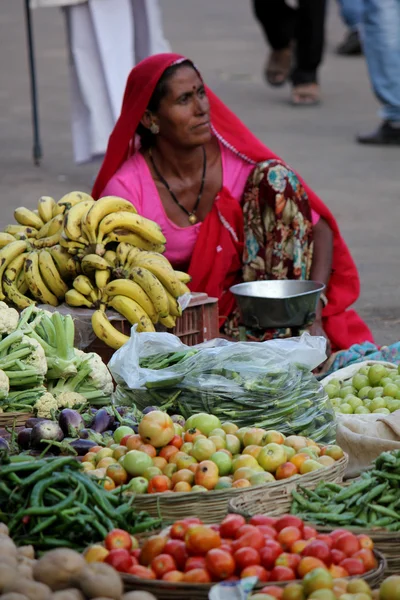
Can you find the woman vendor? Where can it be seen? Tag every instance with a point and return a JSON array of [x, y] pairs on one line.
[[229, 208]]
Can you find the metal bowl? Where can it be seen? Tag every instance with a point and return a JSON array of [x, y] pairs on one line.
[[283, 303]]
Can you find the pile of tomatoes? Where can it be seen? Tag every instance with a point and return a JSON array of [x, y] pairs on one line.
[[273, 549]]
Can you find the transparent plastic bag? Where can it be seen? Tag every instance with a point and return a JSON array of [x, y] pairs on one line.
[[266, 384]]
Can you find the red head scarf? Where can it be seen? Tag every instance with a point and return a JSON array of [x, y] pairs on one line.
[[213, 271]]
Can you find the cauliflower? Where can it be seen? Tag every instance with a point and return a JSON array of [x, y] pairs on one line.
[[45, 406], [36, 359], [9, 318], [99, 377], [70, 399], [4, 385]]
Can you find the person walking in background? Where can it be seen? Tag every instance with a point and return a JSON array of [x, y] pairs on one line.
[[381, 42], [351, 12], [295, 32]]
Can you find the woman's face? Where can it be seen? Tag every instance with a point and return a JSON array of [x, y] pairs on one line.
[[184, 113]]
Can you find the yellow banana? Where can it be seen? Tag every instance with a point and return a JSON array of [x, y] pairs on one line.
[[164, 274], [84, 286], [111, 257], [61, 258], [101, 278], [152, 257], [58, 210], [45, 208], [20, 282], [73, 221], [102, 208], [8, 254], [92, 262], [183, 277], [131, 310], [6, 238], [70, 245], [30, 232], [14, 295], [36, 285], [168, 322], [122, 252], [123, 235], [75, 298], [183, 289], [27, 217], [175, 309], [50, 275], [51, 227], [130, 289], [106, 332], [15, 266], [153, 288], [73, 198], [49, 241], [147, 229]]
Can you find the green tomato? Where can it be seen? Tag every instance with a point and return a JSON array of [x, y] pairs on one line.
[[376, 373], [393, 374], [376, 392], [353, 401], [337, 383], [121, 432], [393, 404], [390, 389], [377, 403], [336, 402], [364, 370], [359, 381], [346, 409], [367, 402], [361, 410], [382, 411], [331, 390], [363, 393], [346, 390]]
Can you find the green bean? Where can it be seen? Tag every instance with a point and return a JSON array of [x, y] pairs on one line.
[[374, 493], [97, 493], [45, 510], [48, 468], [43, 524], [40, 487], [384, 511], [17, 467], [354, 489]]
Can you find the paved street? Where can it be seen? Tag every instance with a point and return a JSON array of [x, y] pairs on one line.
[[360, 185]]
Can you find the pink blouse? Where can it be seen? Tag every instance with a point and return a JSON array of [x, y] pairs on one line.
[[133, 181]]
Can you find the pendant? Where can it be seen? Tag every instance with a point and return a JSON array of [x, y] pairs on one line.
[[192, 219]]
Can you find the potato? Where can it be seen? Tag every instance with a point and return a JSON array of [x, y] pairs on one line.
[[26, 552], [7, 575], [25, 571], [138, 596], [31, 589], [68, 594], [59, 568], [7, 546], [98, 580], [4, 529], [14, 596], [9, 560]]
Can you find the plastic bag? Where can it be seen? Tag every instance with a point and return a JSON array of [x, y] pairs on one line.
[[265, 384]]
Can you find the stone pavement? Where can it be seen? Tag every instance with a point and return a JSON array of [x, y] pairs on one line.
[[360, 185]]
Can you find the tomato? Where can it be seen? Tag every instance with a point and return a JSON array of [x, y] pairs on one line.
[[282, 574], [268, 531], [318, 579], [157, 428], [336, 533], [337, 556], [255, 539], [195, 562], [118, 538], [347, 543], [272, 590], [245, 557], [354, 566], [293, 591], [365, 541], [270, 553], [255, 571], [133, 441], [367, 557], [176, 576], [200, 539], [191, 434], [319, 549], [95, 553], [159, 483], [168, 452], [287, 559], [288, 521], [325, 537], [176, 441], [136, 553], [288, 535], [262, 520], [197, 576], [152, 547], [192, 521], [178, 530], [120, 559], [390, 588], [245, 529], [220, 564], [337, 571], [177, 549], [309, 563], [230, 525], [117, 473], [309, 533], [142, 572], [286, 470], [298, 547], [163, 563]]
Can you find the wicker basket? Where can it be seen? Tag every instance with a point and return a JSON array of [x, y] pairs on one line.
[[14, 419], [212, 507], [165, 590], [275, 499], [347, 373]]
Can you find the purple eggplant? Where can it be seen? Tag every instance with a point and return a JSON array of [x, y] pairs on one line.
[[179, 420], [82, 446], [102, 421], [149, 409], [71, 422], [4, 445], [24, 438], [46, 430], [122, 410], [34, 421]]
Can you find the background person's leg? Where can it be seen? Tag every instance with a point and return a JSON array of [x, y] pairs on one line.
[[351, 12], [310, 37]]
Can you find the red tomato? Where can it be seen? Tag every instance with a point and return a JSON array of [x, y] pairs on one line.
[[354, 566], [163, 563], [288, 521], [273, 590], [286, 559], [200, 539], [309, 563], [142, 572], [230, 525], [152, 547], [176, 441], [255, 571], [337, 556], [220, 564], [282, 574], [268, 531], [159, 483], [309, 532], [136, 553], [118, 538], [177, 549], [226, 547], [195, 562], [347, 543], [288, 535], [197, 576], [262, 520], [120, 559], [173, 576], [318, 549], [245, 557], [192, 521], [365, 541], [325, 537], [367, 557], [270, 553], [336, 533], [178, 530], [254, 539], [245, 529]]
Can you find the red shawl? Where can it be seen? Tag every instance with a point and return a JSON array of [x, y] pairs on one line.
[[216, 260]]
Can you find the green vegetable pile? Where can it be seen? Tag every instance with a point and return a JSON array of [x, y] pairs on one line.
[[51, 503], [244, 383], [372, 501]]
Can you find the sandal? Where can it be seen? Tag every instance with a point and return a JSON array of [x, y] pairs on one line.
[[307, 94], [278, 67]]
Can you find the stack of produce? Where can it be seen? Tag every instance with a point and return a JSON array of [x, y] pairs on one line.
[[60, 574], [371, 502], [74, 249], [203, 455], [271, 549], [41, 371], [373, 389]]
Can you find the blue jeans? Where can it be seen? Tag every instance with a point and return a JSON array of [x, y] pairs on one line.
[[351, 11], [381, 41]]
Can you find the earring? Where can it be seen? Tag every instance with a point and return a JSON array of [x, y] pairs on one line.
[[154, 128]]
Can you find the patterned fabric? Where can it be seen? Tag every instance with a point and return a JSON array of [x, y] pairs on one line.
[[278, 235], [360, 352]]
